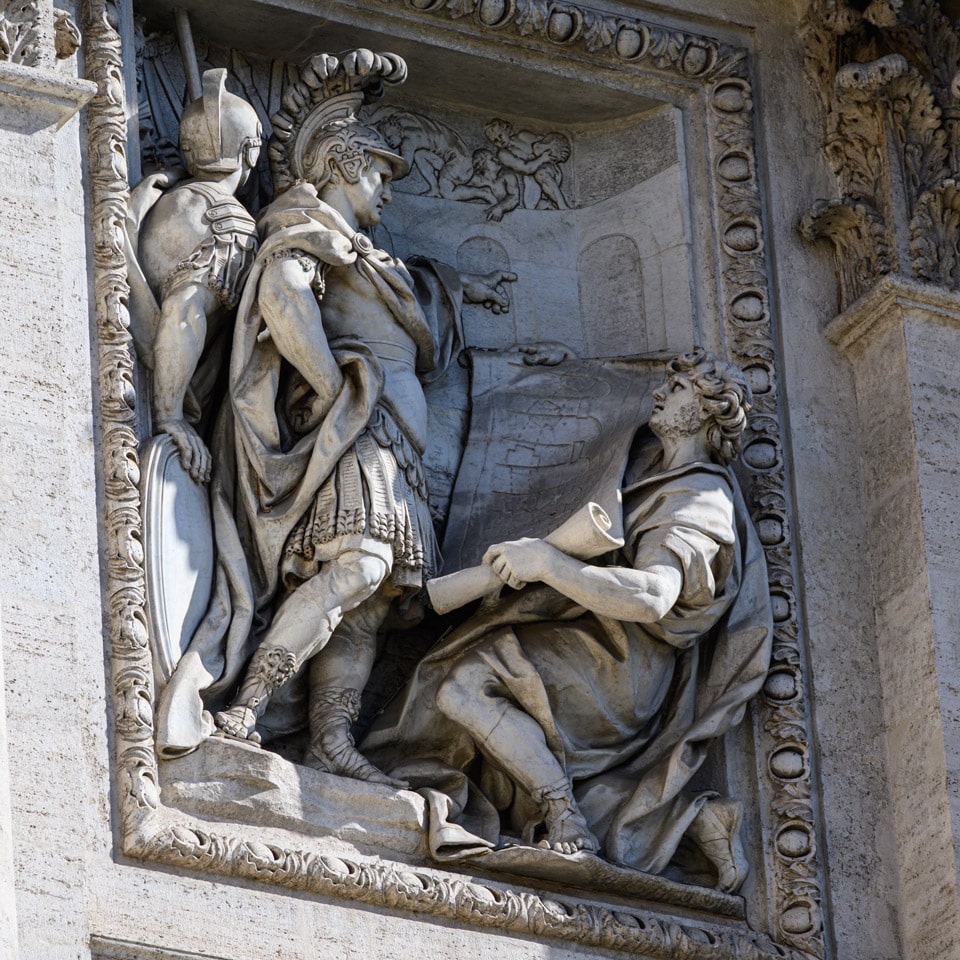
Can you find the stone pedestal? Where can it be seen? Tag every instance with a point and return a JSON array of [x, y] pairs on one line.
[[902, 339]]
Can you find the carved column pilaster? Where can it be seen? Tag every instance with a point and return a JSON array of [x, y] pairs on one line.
[[902, 340], [888, 75]]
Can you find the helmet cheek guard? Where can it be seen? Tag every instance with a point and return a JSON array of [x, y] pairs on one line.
[[251, 151], [351, 162], [219, 130]]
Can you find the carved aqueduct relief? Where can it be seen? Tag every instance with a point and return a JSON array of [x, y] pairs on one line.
[[289, 265]]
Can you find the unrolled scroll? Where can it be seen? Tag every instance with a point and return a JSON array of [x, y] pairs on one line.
[[584, 535]]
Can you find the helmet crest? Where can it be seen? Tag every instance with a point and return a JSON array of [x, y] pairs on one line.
[[317, 129]]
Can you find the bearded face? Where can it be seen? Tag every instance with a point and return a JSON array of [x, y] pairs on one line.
[[677, 410]]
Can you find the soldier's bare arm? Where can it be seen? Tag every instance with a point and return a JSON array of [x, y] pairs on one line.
[[293, 317]]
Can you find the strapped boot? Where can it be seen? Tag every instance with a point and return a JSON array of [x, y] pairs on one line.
[[567, 830], [333, 711], [270, 668]]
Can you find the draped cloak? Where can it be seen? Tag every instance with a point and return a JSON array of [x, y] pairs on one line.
[[628, 709], [266, 474]]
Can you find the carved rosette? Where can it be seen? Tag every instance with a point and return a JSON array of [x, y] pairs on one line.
[[781, 716], [889, 81]]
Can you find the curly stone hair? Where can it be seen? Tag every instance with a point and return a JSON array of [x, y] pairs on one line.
[[725, 395]]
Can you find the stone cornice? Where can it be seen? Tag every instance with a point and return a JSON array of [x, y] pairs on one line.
[[41, 91], [871, 313]]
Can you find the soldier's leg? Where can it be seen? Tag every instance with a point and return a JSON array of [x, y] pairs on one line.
[[303, 624], [338, 674]]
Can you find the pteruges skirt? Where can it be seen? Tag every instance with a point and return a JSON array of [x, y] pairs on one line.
[[378, 492]]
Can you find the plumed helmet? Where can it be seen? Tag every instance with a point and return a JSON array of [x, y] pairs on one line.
[[317, 130], [216, 127]]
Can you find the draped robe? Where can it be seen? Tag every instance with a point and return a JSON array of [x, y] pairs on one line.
[[628, 709], [266, 474]]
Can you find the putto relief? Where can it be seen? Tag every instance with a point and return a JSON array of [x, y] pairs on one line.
[[504, 584], [518, 168]]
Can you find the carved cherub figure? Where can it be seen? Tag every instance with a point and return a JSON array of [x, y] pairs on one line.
[[438, 153], [194, 246], [529, 154], [503, 185]]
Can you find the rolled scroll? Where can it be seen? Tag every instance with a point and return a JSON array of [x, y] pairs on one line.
[[584, 535]]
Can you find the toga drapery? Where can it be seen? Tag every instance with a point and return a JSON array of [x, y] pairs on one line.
[[267, 474]]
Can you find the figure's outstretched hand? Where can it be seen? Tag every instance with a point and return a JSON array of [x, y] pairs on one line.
[[546, 354], [488, 289], [518, 562], [194, 454]]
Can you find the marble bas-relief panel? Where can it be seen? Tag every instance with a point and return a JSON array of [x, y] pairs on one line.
[[384, 301]]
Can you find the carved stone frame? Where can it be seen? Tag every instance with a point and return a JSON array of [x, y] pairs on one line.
[[780, 717]]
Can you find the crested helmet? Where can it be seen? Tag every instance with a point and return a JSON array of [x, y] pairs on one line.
[[318, 131]]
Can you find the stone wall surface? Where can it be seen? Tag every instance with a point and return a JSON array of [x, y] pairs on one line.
[[50, 568], [875, 513]]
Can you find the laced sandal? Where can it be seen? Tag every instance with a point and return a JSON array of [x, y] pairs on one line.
[[270, 668], [567, 830], [238, 723]]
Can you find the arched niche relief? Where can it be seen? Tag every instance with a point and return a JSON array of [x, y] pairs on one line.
[[611, 297], [633, 185], [671, 320]]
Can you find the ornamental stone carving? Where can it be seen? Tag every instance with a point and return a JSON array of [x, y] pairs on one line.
[[27, 28], [887, 79], [279, 406], [21, 32]]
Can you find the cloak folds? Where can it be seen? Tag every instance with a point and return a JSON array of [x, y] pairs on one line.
[[266, 474], [628, 709]]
